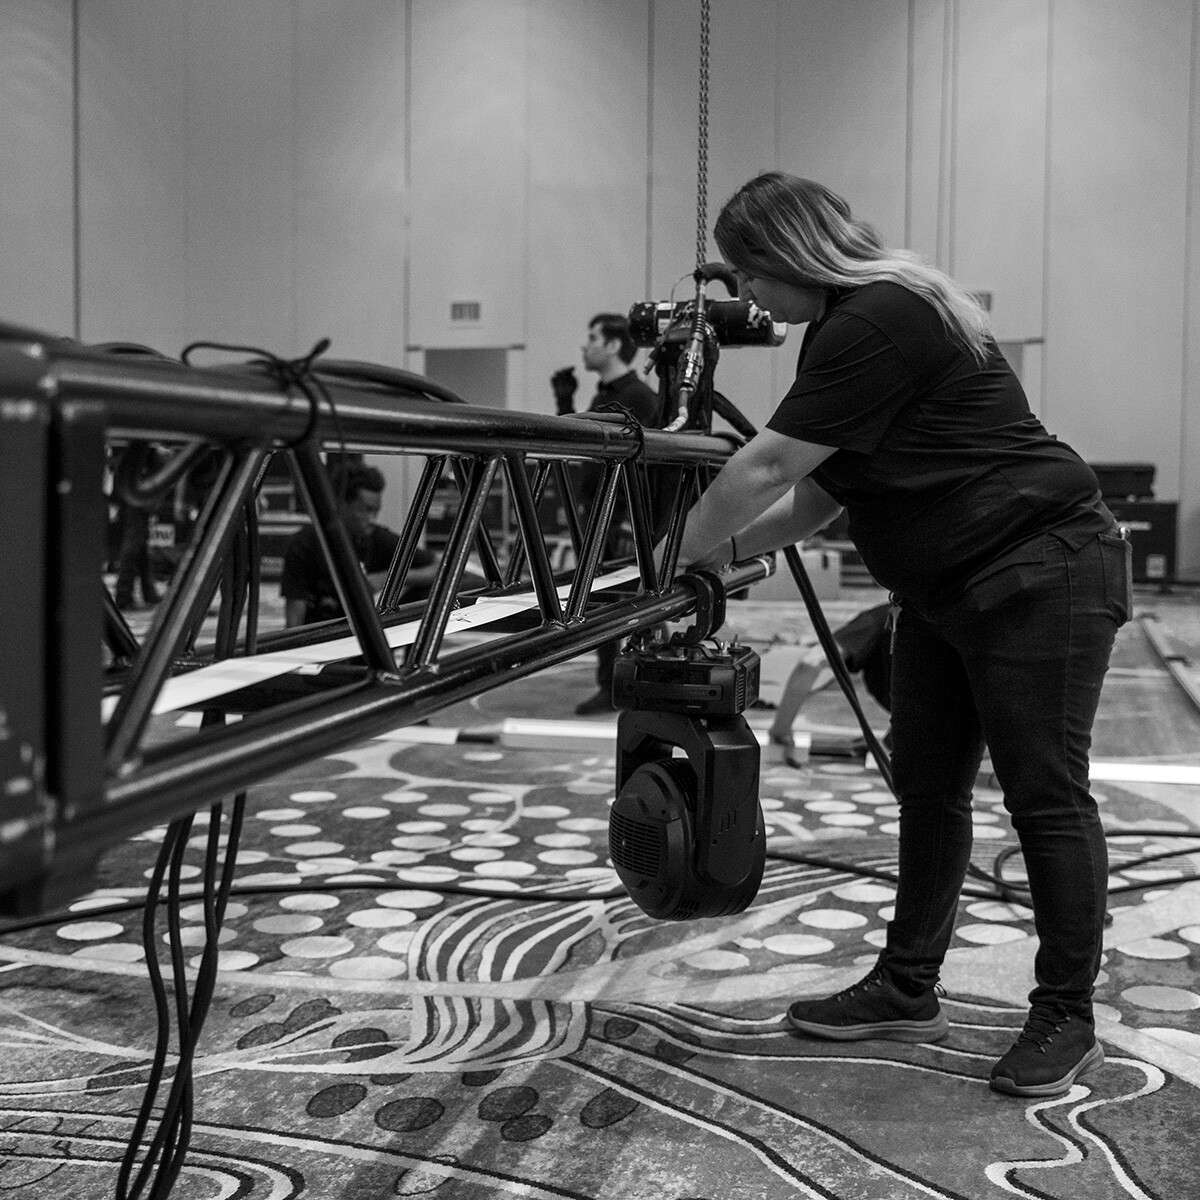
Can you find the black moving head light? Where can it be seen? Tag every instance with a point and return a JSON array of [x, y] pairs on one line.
[[686, 832]]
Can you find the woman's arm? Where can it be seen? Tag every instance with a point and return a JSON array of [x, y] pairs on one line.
[[807, 509], [791, 519], [747, 492]]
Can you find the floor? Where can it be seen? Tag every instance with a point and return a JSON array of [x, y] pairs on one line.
[[431, 986]]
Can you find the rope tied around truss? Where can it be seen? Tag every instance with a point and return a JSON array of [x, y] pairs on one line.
[[630, 427], [289, 374]]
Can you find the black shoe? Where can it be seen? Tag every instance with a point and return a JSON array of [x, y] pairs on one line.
[[872, 1008], [599, 702], [1053, 1049]]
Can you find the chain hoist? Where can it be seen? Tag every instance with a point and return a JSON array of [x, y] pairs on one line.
[[692, 364], [702, 144]]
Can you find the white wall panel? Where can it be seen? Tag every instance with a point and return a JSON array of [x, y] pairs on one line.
[[998, 187], [243, 176], [1120, 85], [239, 237], [350, 199], [927, 205], [468, 170], [843, 103], [675, 115], [132, 191], [587, 146], [37, 208], [744, 82]]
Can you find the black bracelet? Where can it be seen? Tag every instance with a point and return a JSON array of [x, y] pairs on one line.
[[733, 548]]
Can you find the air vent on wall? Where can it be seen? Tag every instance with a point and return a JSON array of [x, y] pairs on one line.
[[465, 310]]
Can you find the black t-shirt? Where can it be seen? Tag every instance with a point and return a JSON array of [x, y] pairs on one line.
[[634, 396], [306, 574], [640, 402], [940, 464]]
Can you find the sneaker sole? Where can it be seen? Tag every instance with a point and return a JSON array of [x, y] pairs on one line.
[[1089, 1062], [931, 1030]]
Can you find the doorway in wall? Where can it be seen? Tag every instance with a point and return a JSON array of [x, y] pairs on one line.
[[479, 376]]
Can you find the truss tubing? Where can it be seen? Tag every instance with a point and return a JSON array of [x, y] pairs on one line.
[[99, 768]]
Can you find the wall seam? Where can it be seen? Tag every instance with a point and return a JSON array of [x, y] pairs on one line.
[[952, 160], [185, 297], [293, 199], [777, 369], [406, 252], [1188, 254], [909, 117], [940, 251], [76, 179], [778, 140], [524, 401], [649, 280], [1044, 398]]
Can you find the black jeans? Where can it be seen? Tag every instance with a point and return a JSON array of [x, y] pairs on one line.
[[133, 563], [1017, 662]]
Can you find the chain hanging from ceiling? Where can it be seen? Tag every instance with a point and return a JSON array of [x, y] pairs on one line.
[[702, 149]]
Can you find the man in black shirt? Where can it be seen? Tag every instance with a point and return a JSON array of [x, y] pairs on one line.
[[608, 351], [307, 586]]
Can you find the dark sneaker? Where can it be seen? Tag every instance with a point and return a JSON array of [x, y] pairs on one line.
[[1051, 1052], [599, 702], [872, 1008]]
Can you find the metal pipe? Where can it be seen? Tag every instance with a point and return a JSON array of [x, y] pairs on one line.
[[174, 779], [441, 601], [531, 540], [155, 398], [202, 564], [483, 543], [599, 520], [411, 534], [562, 481], [348, 576]]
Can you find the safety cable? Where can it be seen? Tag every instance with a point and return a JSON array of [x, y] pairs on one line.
[[298, 373]]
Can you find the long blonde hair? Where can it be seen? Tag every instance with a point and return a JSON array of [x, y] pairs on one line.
[[795, 231]]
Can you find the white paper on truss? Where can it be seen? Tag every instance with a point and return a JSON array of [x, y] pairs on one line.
[[231, 674], [426, 735]]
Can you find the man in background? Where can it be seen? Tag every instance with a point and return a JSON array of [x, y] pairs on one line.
[[608, 351], [307, 586]]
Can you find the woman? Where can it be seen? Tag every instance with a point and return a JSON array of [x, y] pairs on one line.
[[1009, 580]]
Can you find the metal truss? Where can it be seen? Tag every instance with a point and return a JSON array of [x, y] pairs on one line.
[[85, 763]]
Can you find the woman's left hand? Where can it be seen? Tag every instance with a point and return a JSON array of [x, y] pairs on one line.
[[716, 558]]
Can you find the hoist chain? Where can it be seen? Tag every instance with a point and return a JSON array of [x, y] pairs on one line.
[[702, 155]]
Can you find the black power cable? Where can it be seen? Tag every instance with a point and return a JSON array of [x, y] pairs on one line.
[[163, 1158]]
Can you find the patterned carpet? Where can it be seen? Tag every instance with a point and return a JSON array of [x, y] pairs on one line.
[[445, 995]]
